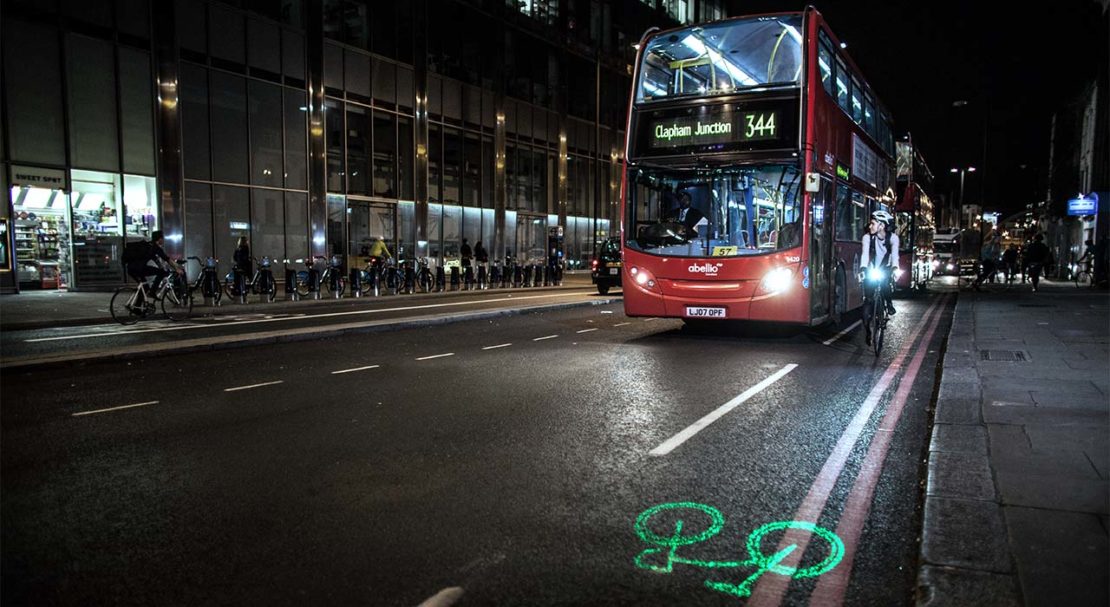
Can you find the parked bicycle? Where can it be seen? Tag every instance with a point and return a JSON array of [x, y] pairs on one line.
[[209, 275], [1084, 278], [262, 283], [130, 305]]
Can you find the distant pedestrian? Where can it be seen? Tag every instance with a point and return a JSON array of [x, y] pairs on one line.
[[1010, 262], [242, 258], [480, 254], [466, 253], [988, 257], [1036, 255]]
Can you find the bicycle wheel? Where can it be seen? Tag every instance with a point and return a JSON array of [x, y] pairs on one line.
[[267, 287], [878, 324], [425, 281], [1083, 279], [230, 287], [122, 311], [302, 284], [177, 305], [337, 285]]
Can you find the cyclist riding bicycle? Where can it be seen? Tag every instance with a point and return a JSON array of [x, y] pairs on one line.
[[153, 261], [880, 250]]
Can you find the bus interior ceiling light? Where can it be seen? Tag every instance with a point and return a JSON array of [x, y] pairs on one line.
[[693, 43]]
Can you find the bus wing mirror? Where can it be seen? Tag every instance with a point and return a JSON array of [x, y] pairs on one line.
[[813, 182]]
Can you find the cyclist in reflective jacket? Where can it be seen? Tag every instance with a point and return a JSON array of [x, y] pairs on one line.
[[880, 250]]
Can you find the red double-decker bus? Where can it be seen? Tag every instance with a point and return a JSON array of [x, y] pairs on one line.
[[913, 217], [755, 153]]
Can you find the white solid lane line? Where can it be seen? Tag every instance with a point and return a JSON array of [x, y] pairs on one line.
[[545, 337], [842, 333], [497, 346], [443, 598], [355, 369], [436, 356], [672, 443], [153, 402], [269, 383], [586, 330]]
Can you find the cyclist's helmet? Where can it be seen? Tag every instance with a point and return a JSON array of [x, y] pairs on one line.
[[882, 216]]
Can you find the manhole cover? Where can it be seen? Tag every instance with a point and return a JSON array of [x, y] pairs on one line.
[[1013, 356]]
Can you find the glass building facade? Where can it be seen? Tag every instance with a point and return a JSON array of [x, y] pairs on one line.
[[311, 127]]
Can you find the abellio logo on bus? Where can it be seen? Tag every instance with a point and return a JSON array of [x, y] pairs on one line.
[[709, 269]]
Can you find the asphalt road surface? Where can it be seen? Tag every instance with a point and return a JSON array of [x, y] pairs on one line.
[[572, 457]]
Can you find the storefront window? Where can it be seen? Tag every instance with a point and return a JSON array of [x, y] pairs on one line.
[[385, 155], [452, 231], [97, 220], [139, 200], [41, 233]]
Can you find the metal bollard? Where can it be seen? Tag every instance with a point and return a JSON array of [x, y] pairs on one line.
[[454, 278], [334, 278], [410, 279], [291, 285], [441, 279], [356, 283], [537, 276]]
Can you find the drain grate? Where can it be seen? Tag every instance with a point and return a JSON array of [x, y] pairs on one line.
[[1011, 356]]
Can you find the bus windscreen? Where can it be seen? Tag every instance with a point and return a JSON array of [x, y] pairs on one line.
[[722, 58], [738, 211]]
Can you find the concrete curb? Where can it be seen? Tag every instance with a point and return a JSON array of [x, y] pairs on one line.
[[279, 305], [283, 336], [964, 556]]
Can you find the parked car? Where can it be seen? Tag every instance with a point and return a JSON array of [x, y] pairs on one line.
[[605, 269]]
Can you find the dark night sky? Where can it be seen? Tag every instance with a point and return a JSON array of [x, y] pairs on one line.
[[1013, 66]]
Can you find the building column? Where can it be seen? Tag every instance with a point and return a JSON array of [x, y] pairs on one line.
[[500, 178], [171, 174], [420, 125], [317, 160]]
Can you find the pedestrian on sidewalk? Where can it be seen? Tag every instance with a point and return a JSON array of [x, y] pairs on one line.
[[242, 258], [1010, 262], [988, 257], [1036, 255]]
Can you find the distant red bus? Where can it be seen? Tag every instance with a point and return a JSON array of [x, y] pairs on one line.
[[782, 150], [913, 218]]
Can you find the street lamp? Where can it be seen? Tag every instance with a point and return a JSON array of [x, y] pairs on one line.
[[963, 171]]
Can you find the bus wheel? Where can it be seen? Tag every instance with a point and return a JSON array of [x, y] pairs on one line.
[[840, 295]]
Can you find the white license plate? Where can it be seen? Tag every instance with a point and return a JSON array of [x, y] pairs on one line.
[[699, 312], [614, 271]]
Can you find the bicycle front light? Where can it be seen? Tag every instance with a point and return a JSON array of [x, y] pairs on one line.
[[898, 273], [875, 274]]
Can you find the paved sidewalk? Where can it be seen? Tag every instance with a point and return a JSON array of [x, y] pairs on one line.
[[1017, 495], [43, 309]]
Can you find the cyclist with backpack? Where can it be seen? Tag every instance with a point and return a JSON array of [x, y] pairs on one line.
[[143, 259]]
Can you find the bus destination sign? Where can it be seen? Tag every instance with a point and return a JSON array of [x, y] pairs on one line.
[[757, 125], [724, 128]]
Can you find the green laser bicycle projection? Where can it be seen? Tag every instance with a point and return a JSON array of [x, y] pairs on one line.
[[668, 545]]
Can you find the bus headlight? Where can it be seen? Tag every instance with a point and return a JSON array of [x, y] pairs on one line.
[[642, 277], [776, 281]]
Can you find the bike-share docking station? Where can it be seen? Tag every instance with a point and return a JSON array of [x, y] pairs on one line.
[[210, 282], [291, 293]]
